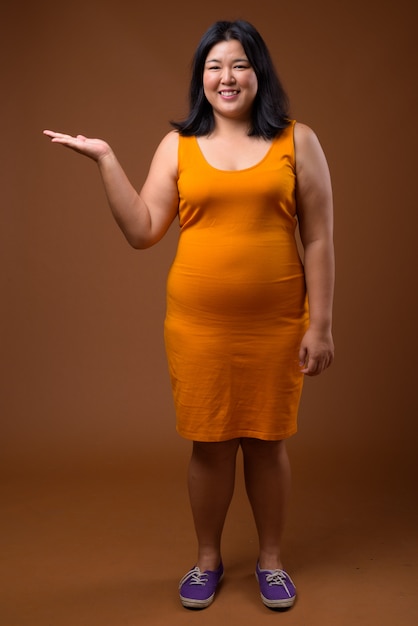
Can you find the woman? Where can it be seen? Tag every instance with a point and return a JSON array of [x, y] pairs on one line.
[[239, 174]]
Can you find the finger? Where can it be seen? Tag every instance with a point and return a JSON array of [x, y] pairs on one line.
[[303, 354], [306, 366], [316, 366], [53, 133], [62, 138], [312, 367]]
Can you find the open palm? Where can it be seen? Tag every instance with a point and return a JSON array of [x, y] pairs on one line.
[[95, 149]]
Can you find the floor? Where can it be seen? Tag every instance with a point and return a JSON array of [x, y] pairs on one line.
[[92, 550]]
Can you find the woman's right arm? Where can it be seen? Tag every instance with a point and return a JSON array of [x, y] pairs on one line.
[[143, 217]]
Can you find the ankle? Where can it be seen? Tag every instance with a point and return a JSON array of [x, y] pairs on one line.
[[270, 561], [209, 562]]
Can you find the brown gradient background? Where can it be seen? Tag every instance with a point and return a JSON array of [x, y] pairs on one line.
[[95, 521]]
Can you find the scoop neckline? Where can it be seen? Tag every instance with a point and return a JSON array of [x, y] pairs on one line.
[[245, 169]]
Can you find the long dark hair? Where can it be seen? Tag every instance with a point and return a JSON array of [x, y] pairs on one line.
[[270, 108]]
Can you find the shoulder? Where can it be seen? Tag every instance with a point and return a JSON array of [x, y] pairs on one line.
[[166, 154], [307, 145], [304, 136], [169, 143]]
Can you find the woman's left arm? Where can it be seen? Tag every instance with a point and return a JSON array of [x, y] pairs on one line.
[[315, 214]]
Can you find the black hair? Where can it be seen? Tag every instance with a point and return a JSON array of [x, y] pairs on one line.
[[270, 108]]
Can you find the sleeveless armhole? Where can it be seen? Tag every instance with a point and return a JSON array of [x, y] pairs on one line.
[[291, 128], [183, 146]]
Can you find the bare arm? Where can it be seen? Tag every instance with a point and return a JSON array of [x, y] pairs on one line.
[[315, 213], [143, 217]]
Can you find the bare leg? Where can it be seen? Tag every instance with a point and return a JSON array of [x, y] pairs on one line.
[[267, 480], [211, 486]]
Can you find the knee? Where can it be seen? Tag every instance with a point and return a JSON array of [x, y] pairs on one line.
[[216, 451], [262, 449]]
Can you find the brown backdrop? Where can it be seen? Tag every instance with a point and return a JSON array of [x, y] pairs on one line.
[[84, 381]]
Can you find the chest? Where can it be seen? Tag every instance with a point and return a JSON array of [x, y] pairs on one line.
[[233, 155]]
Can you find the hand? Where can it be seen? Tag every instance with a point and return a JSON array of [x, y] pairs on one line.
[[316, 352], [95, 149]]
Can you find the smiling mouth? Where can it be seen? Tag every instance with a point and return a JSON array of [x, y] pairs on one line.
[[228, 93]]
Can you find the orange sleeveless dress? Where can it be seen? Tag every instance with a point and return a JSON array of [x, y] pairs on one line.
[[236, 298]]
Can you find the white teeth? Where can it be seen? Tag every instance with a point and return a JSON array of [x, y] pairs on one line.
[[228, 93]]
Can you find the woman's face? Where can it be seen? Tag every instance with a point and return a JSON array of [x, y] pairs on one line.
[[229, 81]]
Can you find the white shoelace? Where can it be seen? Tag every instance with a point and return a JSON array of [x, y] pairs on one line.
[[195, 577], [278, 577]]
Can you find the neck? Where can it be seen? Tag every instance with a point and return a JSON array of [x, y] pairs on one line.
[[231, 127]]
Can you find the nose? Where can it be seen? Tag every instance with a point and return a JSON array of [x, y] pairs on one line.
[[228, 76]]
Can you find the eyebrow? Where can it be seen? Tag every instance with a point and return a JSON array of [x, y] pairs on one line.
[[234, 61]]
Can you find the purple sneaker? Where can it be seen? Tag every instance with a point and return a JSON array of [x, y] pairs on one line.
[[197, 589], [276, 588]]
